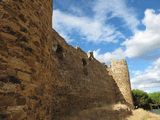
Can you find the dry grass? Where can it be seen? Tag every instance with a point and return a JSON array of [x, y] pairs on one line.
[[112, 112], [141, 114], [104, 112]]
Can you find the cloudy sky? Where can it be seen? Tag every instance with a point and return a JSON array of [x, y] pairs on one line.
[[115, 29]]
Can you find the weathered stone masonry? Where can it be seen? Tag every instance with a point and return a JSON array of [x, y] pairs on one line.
[[119, 71], [42, 77], [25, 61]]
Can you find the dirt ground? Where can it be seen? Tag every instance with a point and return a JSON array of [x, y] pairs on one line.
[[112, 112], [141, 114]]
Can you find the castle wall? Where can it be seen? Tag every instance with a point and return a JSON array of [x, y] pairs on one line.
[[42, 77], [81, 83], [25, 61]]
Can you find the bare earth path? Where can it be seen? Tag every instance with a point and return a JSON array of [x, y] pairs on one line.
[[114, 112], [141, 114]]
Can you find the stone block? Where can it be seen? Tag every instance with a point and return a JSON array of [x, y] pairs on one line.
[[26, 77]]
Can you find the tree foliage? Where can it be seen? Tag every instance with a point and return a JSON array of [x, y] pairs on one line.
[[141, 99], [155, 97]]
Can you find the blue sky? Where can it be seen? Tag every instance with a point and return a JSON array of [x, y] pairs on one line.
[[115, 29]]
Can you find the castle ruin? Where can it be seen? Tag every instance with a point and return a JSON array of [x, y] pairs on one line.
[[44, 78]]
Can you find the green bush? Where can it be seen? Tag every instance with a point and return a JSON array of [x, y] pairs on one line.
[[155, 97], [141, 99]]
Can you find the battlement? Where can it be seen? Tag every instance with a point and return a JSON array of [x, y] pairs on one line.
[[118, 62]]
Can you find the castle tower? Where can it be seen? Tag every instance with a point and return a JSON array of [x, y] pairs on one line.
[[120, 73]]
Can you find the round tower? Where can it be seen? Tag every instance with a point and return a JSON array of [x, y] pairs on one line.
[[120, 74]]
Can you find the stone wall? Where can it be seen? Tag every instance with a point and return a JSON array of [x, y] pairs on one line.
[[41, 76], [25, 62], [81, 83], [119, 71]]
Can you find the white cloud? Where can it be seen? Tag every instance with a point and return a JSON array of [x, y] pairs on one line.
[[95, 29], [149, 78], [144, 42], [77, 11], [117, 8], [108, 56], [90, 29]]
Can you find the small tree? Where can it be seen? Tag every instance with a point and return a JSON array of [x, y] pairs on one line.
[[141, 99], [155, 97]]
